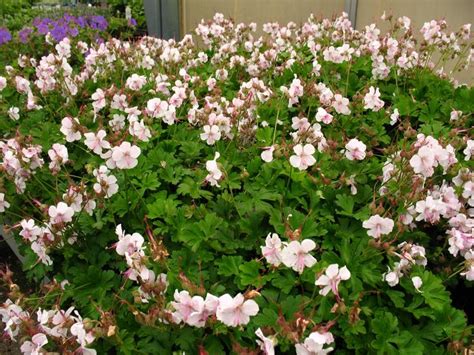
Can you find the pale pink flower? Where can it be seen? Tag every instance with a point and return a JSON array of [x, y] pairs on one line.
[[314, 344], [469, 273], [14, 113], [341, 104], [355, 149], [29, 230], [266, 344], [135, 82], [454, 115], [469, 150], [235, 311], [96, 141], [185, 305], [203, 309], [59, 155], [424, 161], [98, 98], [303, 157], [61, 213], [267, 154], [215, 174], [417, 282], [34, 346], [300, 124], [129, 243], [323, 116], [3, 83], [372, 100], [125, 155], [394, 116], [69, 127], [3, 204], [211, 134], [331, 279], [272, 249], [378, 226], [296, 255]]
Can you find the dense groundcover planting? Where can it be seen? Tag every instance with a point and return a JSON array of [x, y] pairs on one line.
[[305, 191]]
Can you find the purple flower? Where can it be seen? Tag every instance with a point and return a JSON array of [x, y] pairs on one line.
[[59, 32], [24, 34], [132, 22], [5, 35], [73, 31]]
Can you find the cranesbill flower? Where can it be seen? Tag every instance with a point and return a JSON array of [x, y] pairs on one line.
[[372, 100], [215, 174], [272, 249], [355, 149], [235, 311], [96, 141], [424, 161], [341, 104], [417, 282], [211, 134], [125, 155], [61, 213], [69, 127], [3, 204], [303, 157], [323, 116], [34, 346], [331, 279], [378, 226], [314, 344], [14, 113], [5, 35], [267, 154], [296, 255], [3, 83], [266, 344]]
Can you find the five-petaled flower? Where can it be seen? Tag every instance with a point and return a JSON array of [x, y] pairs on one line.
[[235, 311], [331, 279], [378, 226], [303, 157], [296, 255]]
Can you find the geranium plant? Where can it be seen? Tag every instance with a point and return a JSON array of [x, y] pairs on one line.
[[307, 190]]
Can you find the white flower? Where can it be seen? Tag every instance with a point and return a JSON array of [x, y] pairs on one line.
[[69, 129], [61, 213], [331, 279], [272, 249], [424, 161], [211, 134], [215, 174], [323, 116], [314, 344], [235, 311], [417, 283], [303, 157], [267, 154], [469, 150], [341, 104], [454, 116], [125, 155], [96, 141], [355, 149], [135, 82], [3, 204], [394, 116], [14, 113], [378, 226], [372, 100], [34, 346], [296, 255], [266, 344]]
